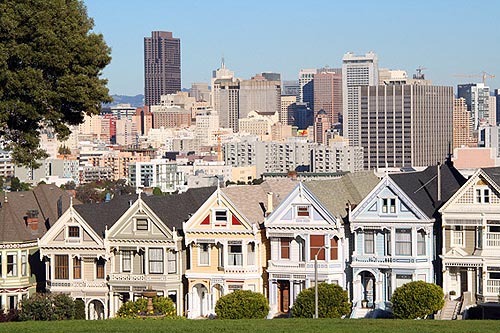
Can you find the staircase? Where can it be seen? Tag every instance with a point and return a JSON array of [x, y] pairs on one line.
[[450, 310]]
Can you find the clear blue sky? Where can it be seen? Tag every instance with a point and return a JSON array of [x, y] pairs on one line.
[[447, 37]]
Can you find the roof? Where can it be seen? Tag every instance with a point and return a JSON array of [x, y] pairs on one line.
[[351, 188], [422, 186], [251, 200], [493, 173], [48, 200], [171, 209]]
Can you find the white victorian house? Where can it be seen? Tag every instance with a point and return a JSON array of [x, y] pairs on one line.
[[394, 233]]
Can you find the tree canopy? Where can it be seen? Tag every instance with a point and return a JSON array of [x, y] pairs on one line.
[[417, 299], [50, 67], [333, 302]]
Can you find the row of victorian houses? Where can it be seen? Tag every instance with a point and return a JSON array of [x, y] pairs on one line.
[[369, 235]]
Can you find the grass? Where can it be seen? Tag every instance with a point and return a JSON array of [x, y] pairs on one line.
[[274, 326]]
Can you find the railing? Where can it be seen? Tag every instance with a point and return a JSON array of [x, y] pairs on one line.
[[493, 286], [493, 239], [389, 259], [143, 277], [240, 270], [283, 264], [76, 284]]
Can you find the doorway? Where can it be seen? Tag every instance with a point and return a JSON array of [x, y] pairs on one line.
[[283, 296]]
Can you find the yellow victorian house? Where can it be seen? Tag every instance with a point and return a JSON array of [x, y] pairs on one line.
[[226, 246]]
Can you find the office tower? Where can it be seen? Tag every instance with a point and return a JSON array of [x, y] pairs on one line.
[[200, 92], [287, 109], [270, 76], [226, 96], [291, 88], [322, 125], [328, 93], [162, 66], [461, 123], [405, 125], [207, 125], [493, 110], [259, 94], [357, 71], [477, 98], [303, 116], [306, 85]]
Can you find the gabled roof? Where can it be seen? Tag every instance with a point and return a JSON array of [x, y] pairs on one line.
[[171, 209], [351, 188], [50, 202], [422, 186], [493, 174]]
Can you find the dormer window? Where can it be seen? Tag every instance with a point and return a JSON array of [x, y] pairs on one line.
[[389, 205], [303, 211], [220, 217], [141, 224]]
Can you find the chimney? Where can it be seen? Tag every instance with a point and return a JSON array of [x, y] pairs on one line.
[[270, 208], [439, 182], [32, 219]]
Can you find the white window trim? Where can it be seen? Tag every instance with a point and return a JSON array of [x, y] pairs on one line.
[[220, 223], [24, 263], [122, 259], [302, 218], [199, 254], [482, 190], [389, 207], [71, 239], [454, 238], [137, 218], [16, 264]]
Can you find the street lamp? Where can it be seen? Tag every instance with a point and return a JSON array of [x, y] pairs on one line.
[[316, 281]]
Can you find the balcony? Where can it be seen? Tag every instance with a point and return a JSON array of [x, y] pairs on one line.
[[389, 259], [286, 265], [123, 277], [240, 270], [79, 284], [493, 239]]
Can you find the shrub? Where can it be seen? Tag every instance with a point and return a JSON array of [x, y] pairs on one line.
[[47, 307], [333, 302], [79, 309], [162, 306], [11, 315], [417, 299], [165, 306], [242, 304]]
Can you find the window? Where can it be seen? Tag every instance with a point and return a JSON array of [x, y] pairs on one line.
[[303, 211], [235, 255], [11, 264], [99, 265], [403, 242], [251, 253], [141, 224], [402, 279], [220, 218], [73, 232], [172, 262], [221, 255], [302, 249], [334, 249], [77, 268], [285, 248], [388, 245], [126, 261], [421, 243], [457, 236], [316, 243], [61, 270], [156, 261], [389, 205], [24, 263], [204, 259], [369, 241], [483, 195]]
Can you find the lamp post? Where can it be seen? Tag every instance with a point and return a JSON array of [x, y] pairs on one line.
[[316, 281]]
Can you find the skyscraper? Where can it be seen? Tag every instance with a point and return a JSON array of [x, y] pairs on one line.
[[405, 125], [306, 86], [328, 93], [356, 71], [477, 98], [162, 66]]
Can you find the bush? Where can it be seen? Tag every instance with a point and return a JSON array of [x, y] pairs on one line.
[[417, 299], [242, 304], [162, 306], [79, 309], [47, 307], [333, 302], [165, 306], [11, 315]]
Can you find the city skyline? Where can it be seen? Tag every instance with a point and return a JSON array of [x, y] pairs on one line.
[[272, 36]]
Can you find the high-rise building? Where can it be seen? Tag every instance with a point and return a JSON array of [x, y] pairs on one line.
[[290, 88], [322, 124], [162, 66], [287, 109], [328, 93], [226, 97], [461, 123], [405, 125], [493, 110], [357, 71], [200, 92], [306, 87], [259, 94], [477, 98]]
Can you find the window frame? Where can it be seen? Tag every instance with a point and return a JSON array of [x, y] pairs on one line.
[[100, 268], [61, 267], [221, 217], [13, 271], [369, 240], [233, 256], [421, 243], [77, 268], [140, 226], [126, 256], [71, 231], [153, 261], [24, 263], [285, 245], [401, 250], [316, 248], [302, 211], [204, 254], [456, 240], [171, 262]]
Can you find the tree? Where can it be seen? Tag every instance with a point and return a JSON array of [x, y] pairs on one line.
[[333, 302], [157, 191], [16, 185], [47, 307], [417, 299], [50, 67], [242, 304], [64, 150]]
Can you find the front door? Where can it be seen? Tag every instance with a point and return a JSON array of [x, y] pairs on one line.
[[283, 295], [463, 282]]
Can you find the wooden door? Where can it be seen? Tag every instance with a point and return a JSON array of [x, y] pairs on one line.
[[283, 296]]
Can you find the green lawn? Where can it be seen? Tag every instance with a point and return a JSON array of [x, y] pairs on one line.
[[274, 326]]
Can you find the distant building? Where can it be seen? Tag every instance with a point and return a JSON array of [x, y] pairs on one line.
[[156, 173], [290, 88], [477, 98], [162, 66], [258, 123], [322, 125], [328, 93], [287, 109], [170, 116], [306, 87], [357, 71], [461, 124], [259, 94], [200, 91]]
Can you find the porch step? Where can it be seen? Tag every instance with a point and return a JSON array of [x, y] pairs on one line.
[[450, 310], [362, 313]]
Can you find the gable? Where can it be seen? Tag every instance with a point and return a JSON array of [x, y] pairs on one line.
[[139, 222], [387, 202]]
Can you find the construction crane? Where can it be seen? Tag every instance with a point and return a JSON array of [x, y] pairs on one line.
[[484, 75]]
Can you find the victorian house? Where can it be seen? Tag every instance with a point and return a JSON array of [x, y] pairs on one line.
[[306, 233], [24, 217], [471, 239], [109, 253], [395, 233], [226, 247]]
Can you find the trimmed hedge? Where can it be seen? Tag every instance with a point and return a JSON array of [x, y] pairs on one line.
[[162, 306], [47, 307], [242, 304], [417, 299], [333, 302]]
